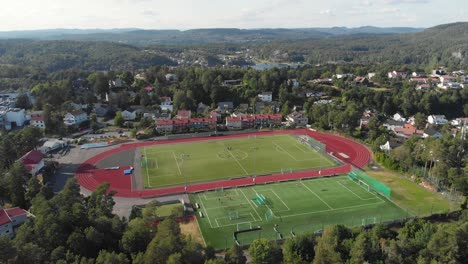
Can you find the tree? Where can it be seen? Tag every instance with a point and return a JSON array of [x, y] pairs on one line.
[[299, 249], [263, 251], [23, 102], [118, 120], [106, 257], [7, 249], [16, 180], [137, 237], [326, 249], [235, 255], [101, 84]]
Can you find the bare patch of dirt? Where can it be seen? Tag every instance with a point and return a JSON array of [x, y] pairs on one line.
[[191, 229]]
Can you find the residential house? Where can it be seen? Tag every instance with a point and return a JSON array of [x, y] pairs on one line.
[[78, 106], [167, 103], [215, 114], [431, 132], [396, 74], [101, 110], [266, 97], [362, 81], [248, 121], [128, 115], [418, 74], [419, 80], [161, 116], [259, 106], [407, 131], [323, 102], [33, 161], [293, 82], [75, 117], [390, 144], [447, 79], [423, 87], [343, 75], [297, 119], [437, 120], [232, 82], [326, 81], [202, 123], [180, 125], [370, 75], [52, 145], [450, 85], [164, 126], [224, 107], [391, 124], [15, 116], [275, 119], [459, 73], [149, 89], [117, 84], [460, 122], [37, 119], [399, 117], [202, 108], [313, 94], [171, 77], [184, 114], [233, 122], [439, 72], [10, 218], [366, 116]]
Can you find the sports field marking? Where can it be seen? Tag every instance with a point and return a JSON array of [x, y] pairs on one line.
[[234, 157], [147, 172], [283, 150], [214, 198], [335, 209], [303, 151], [248, 201], [376, 196], [339, 182], [177, 163], [206, 213], [281, 200], [317, 196]]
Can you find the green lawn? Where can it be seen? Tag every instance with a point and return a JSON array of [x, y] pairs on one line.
[[410, 195], [166, 210], [175, 164], [296, 207]]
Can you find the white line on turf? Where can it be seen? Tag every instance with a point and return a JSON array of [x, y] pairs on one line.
[[177, 163], [237, 160], [206, 213], [339, 182], [147, 172], [248, 201], [317, 195]]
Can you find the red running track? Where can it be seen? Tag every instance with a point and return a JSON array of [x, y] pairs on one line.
[[356, 155]]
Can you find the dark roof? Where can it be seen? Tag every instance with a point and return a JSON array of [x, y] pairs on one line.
[[394, 123], [430, 131]]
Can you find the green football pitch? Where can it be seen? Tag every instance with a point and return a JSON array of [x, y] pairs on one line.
[[291, 208], [181, 163]]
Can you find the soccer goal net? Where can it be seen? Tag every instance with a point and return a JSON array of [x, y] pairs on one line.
[[373, 185], [269, 215], [244, 226], [286, 170], [233, 215], [318, 146]]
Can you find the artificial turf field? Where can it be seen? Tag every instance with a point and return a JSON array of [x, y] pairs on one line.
[[176, 164], [296, 207]]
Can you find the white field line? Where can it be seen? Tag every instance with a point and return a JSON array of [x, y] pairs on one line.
[[369, 192], [317, 196], [240, 165], [330, 210], [339, 182], [214, 198], [156, 161], [147, 172], [281, 200], [278, 146], [248, 201], [206, 213], [177, 163]]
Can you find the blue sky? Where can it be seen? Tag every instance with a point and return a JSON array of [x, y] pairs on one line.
[[186, 14]]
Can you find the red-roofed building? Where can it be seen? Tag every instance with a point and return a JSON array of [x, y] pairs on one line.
[[149, 89], [37, 119], [33, 161], [164, 126], [205, 123], [407, 131], [233, 122], [275, 119], [184, 114], [180, 125], [10, 218], [248, 121]]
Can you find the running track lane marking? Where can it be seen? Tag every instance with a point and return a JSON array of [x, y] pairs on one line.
[[177, 163], [317, 196]]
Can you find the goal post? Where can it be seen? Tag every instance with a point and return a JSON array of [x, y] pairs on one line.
[[269, 215], [373, 185]]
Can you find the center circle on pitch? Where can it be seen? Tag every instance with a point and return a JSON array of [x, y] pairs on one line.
[[233, 154]]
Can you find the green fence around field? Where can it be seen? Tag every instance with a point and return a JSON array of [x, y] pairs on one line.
[[375, 185]]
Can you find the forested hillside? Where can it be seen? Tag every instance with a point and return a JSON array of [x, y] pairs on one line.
[[59, 55]]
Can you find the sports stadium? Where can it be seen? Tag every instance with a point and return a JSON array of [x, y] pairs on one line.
[[271, 184]]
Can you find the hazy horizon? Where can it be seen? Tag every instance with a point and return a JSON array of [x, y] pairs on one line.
[[244, 14]]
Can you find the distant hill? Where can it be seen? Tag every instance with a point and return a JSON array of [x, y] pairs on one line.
[[142, 37]]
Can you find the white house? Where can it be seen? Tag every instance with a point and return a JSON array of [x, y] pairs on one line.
[[343, 75], [395, 74], [167, 103], [10, 218], [389, 145], [297, 119], [391, 124], [37, 119], [399, 117], [128, 116], [171, 77], [266, 97], [459, 122], [33, 161], [423, 87], [75, 118], [437, 120], [15, 116]]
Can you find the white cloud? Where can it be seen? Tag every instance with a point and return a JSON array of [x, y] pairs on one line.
[[399, 2]]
